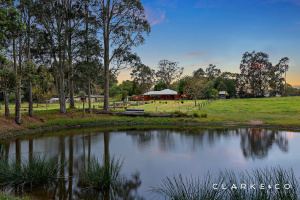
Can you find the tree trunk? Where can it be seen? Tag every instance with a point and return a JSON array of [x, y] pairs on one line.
[[106, 57], [7, 113], [83, 108], [89, 96], [71, 83], [62, 92], [30, 100], [18, 89]]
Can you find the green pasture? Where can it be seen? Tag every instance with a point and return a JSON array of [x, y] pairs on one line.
[[276, 111]]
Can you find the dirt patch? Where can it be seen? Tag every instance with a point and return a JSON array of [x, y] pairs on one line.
[[255, 122]]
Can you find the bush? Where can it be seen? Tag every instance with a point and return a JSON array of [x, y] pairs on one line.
[[146, 115], [196, 114], [179, 113], [182, 101], [159, 101], [166, 102], [203, 115], [171, 115]]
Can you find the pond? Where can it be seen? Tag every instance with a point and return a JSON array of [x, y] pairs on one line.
[[152, 154]]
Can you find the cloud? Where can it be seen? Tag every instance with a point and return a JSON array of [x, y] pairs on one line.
[[155, 16], [168, 3], [204, 64], [190, 54], [297, 2], [127, 69]]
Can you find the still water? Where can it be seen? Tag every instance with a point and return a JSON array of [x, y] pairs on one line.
[[152, 154]]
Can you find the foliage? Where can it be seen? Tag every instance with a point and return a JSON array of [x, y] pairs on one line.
[[258, 74], [195, 114], [160, 86], [214, 93], [212, 72], [199, 73], [222, 87], [194, 88], [144, 76], [168, 72]]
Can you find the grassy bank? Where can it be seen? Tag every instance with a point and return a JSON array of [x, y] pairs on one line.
[[10, 197], [279, 113]]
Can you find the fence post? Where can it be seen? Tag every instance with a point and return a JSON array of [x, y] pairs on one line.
[[156, 109], [93, 106], [179, 107], [198, 106], [114, 105]]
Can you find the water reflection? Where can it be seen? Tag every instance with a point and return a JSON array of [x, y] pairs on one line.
[[255, 143], [150, 154]]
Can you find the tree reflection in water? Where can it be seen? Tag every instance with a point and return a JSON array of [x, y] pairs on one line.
[[255, 143], [67, 187]]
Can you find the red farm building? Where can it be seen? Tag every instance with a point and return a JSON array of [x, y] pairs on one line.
[[166, 94]]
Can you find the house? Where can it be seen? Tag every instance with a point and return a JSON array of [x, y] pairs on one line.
[[54, 100], [94, 98], [166, 94], [222, 95]]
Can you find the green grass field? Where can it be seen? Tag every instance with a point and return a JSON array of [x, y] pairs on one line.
[[283, 111]]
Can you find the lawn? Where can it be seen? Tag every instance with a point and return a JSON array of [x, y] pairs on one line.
[[274, 112]]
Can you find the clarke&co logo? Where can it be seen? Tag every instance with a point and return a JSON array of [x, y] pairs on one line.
[[252, 187]]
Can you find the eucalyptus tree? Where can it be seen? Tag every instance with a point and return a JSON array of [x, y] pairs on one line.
[[12, 28], [123, 25], [212, 72], [89, 48], [168, 71], [7, 81], [144, 76], [30, 75], [255, 72], [51, 17]]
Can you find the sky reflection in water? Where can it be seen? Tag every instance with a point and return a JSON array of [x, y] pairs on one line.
[[151, 155]]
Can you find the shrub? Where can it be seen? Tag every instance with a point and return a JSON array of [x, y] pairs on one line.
[[125, 107], [159, 101], [182, 101], [166, 102], [171, 115], [146, 115], [179, 113], [196, 114], [100, 176], [203, 115]]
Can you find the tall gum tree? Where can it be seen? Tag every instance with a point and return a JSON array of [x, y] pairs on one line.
[[123, 25]]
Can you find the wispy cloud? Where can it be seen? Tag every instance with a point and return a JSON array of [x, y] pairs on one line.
[[168, 3], [204, 64], [297, 2], [190, 54], [155, 16], [127, 69]]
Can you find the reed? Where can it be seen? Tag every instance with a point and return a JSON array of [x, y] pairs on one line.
[[37, 171], [179, 188], [101, 175]]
